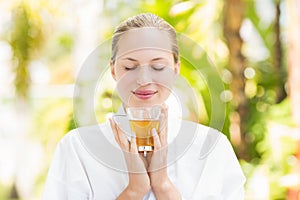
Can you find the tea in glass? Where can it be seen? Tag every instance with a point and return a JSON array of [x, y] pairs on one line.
[[143, 132], [142, 120]]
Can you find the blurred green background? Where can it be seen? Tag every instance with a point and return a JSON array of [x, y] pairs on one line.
[[253, 45]]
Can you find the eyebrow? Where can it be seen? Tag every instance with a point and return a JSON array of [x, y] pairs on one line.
[[130, 59], [159, 58], [134, 60]]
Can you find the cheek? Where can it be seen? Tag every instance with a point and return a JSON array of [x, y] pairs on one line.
[[164, 92], [125, 84], [165, 79]]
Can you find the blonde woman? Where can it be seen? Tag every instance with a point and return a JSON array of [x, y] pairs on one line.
[[145, 64]]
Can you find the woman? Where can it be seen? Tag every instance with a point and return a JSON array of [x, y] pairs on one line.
[[145, 63]]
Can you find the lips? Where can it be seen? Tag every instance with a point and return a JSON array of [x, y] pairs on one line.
[[144, 94]]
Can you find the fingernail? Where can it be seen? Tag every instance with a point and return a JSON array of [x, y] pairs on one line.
[[153, 131]]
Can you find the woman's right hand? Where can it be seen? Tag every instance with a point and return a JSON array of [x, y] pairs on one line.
[[139, 182]]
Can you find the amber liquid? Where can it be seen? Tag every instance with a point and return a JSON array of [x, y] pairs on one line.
[[142, 130]]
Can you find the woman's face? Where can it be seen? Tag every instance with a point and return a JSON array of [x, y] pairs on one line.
[[144, 67]]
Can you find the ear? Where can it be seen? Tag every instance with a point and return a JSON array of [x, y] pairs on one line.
[[112, 69], [177, 68]]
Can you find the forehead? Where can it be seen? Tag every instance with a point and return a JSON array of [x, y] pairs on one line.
[[146, 55], [146, 38]]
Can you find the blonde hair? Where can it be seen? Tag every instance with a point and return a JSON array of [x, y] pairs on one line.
[[145, 20]]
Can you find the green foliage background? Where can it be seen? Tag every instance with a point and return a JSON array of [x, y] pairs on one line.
[[32, 36]]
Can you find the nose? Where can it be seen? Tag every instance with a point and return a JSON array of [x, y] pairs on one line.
[[144, 76]]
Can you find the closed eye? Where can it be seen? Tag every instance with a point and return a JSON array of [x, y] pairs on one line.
[[158, 67], [130, 68]]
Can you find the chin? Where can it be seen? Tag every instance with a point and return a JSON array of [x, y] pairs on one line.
[[145, 103]]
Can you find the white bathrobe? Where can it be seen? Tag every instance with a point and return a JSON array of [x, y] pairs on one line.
[[88, 164]]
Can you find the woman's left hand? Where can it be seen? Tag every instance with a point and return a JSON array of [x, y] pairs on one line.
[[161, 185]]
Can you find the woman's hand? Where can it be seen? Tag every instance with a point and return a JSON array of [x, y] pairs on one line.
[[155, 163], [161, 185], [139, 182], [158, 158]]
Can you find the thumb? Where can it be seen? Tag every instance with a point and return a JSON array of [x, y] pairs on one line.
[[133, 146]]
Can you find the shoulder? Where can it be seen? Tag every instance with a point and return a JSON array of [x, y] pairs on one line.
[[75, 135], [199, 127], [205, 138], [201, 131]]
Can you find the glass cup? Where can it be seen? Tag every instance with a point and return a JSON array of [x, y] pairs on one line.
[[140, 122]]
